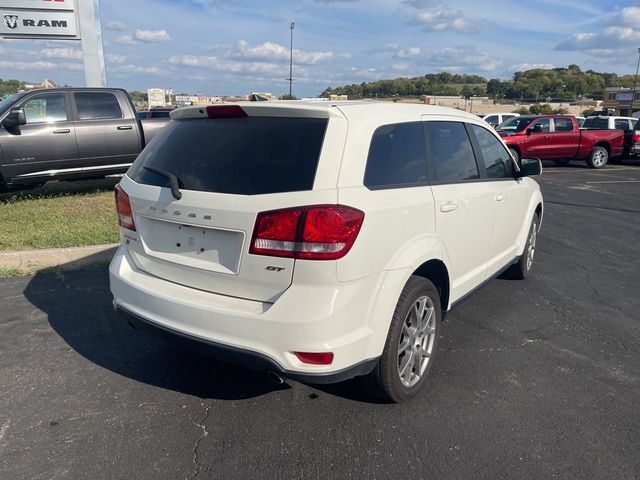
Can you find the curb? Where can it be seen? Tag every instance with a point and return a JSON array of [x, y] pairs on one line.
[[28, 261]]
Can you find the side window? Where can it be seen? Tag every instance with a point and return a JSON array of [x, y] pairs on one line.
[[45, 108], [97, 105], [497, 160], [542, 126], [563, 124], [507, 117], [621, 124], [450, 152], [397, 156], [492, 120]]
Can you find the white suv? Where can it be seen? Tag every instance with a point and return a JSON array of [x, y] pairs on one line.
[[319, 241]]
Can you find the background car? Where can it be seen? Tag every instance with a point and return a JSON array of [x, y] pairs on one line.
[[495, 119]]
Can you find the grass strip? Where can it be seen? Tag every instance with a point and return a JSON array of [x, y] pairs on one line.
[[59, 214]]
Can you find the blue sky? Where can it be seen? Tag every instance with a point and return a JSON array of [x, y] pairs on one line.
[[229, 47]]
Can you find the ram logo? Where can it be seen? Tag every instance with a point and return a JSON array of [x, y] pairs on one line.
[[11, 21]]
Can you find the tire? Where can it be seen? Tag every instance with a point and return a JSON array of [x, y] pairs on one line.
[[516, 156], [413, 335], [561, 162], [598, 158], [520, 270]]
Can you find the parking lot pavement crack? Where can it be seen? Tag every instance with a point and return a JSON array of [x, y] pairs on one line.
[[587, 277], [205, 433]]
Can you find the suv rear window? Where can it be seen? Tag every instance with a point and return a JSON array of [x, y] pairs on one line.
[[244, 156], [596, 123]]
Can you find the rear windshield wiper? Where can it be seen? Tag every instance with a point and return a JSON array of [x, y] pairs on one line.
[[173, 180]]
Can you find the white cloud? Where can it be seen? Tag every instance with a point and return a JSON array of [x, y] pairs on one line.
[[521, 67], [437, 17], [271, 51], [614, 38], [152, 36], [61, 53], [398, 52], [118, 26], [72, 66], [139, 69], [28, 65], [621, 34], [115, 58], [223, 65], [463, 57], [126, 40]]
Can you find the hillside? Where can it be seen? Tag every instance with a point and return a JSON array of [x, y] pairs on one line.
[[558, 83]]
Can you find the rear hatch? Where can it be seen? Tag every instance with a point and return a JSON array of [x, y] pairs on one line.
[[231, 163]]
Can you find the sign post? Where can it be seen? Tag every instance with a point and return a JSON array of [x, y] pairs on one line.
[[59, 20]]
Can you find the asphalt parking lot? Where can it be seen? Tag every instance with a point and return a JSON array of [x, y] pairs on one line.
[[534, 379]]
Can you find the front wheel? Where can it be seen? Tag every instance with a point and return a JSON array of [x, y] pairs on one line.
[[598, 158], [520, 270], [516, 156], [411, 343]]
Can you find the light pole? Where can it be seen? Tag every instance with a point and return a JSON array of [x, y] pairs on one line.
[[291, 27], [635, 81]]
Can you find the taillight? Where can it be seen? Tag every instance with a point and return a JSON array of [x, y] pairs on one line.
[[636, 138], [317, 232], [315, 358], [123, 205], [225, 111]]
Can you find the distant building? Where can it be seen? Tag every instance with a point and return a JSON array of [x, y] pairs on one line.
[[46, 83], [618, 100]]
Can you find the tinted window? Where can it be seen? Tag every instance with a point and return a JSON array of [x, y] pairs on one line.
[[246, 156], [515, 124], [449, 151], [397, 156], [621, 124], [563, 124], [492, 119], [596, 123], [507, 117], [160, 114], [543, 125], [49, 107], [94, 105], [497, 160]]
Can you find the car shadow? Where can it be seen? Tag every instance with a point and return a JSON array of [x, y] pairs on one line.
[[79, 308]]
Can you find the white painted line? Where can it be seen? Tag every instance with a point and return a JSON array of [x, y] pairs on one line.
[[616, 181]]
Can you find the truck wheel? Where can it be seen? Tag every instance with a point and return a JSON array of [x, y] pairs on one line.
[[411, 343], [516, 156], [598, 158], [520, 270]]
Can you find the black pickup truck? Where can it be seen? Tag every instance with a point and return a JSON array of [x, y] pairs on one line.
[[69, 133]]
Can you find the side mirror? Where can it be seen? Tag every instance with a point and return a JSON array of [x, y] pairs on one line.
[[529, 167], [16, 117], [534, 129]]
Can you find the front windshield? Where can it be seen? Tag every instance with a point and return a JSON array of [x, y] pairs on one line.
[[8, 102], [514, 124]]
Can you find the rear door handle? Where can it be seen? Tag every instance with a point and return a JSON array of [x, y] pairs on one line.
[[450, 206], [501, 196], [125, 127], [62, 130]]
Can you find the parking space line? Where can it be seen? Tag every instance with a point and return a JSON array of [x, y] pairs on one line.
[[615, 181]]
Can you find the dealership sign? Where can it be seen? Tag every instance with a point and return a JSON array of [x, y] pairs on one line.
[[52, 19], [18, 22], [39, 4], [624, 96]]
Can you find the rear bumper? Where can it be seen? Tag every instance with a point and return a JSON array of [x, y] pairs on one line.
[[239, 356], [259, 335]]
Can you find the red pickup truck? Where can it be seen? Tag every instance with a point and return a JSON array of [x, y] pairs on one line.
[[559, 138]]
